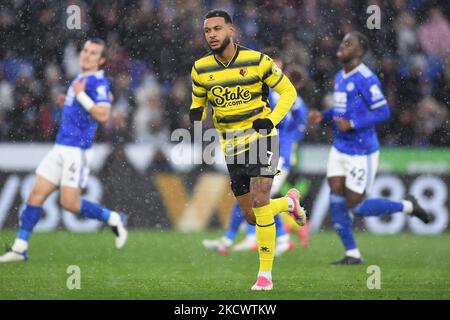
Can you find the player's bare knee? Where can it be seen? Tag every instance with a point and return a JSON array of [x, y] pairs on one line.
[[353, 201], [338, 191], [352, 204], [336, 186], [260, 199], [69, 204], [260, 190]]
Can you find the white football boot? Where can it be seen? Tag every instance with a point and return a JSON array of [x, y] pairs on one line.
[[13, 256], [298, 212], [117, 223]]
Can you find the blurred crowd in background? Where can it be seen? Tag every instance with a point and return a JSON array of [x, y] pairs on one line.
[[151, 45]]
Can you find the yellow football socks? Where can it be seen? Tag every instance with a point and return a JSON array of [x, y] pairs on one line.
[[280, 205], [265, 236], [266, 231]]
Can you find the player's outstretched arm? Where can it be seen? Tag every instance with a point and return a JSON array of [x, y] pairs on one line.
[[99, 111]]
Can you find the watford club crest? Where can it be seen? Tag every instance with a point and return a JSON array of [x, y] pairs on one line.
[[243, 72]]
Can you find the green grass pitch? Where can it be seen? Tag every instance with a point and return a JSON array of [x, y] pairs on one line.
[[173, 265]]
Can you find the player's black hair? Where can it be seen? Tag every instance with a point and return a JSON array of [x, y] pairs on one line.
[[103, 44], [219, 13], [362, 40]]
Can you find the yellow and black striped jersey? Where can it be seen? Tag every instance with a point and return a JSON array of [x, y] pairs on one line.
[[237, 93]]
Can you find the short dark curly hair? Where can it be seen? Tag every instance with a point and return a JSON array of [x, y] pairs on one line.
[[219, 13]]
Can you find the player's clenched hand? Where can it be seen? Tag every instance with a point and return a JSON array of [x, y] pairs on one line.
[[262, 124], [315, 117], [343, 124], [79, 85]]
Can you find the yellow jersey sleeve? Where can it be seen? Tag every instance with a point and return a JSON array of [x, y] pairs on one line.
[[199, 94], [272, 76]]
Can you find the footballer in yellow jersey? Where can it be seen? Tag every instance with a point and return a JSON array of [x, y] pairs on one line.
[[237, 91], [234, 81]]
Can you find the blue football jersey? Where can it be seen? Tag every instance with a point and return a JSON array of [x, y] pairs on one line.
[[78, 127], [358, 97], [292, 127]]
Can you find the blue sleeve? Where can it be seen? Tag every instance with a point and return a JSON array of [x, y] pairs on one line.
[[371, 118], [300, 115], [377, 107], [370, 90], [101, 92], [294, 124]]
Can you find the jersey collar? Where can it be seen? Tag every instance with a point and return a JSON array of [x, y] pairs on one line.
[[230, 63], [98, 73], [355, 70]]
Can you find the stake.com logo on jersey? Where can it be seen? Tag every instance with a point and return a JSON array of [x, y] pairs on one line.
[[226, 97]]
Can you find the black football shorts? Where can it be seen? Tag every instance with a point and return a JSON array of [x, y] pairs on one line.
[[260, 160]]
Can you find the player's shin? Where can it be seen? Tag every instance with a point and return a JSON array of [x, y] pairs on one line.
[[265, 236], [236, 220], [342, 221], [28, 219], [378, 207], [113, 219], [93, 210], [279, 225], [280, 204]]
